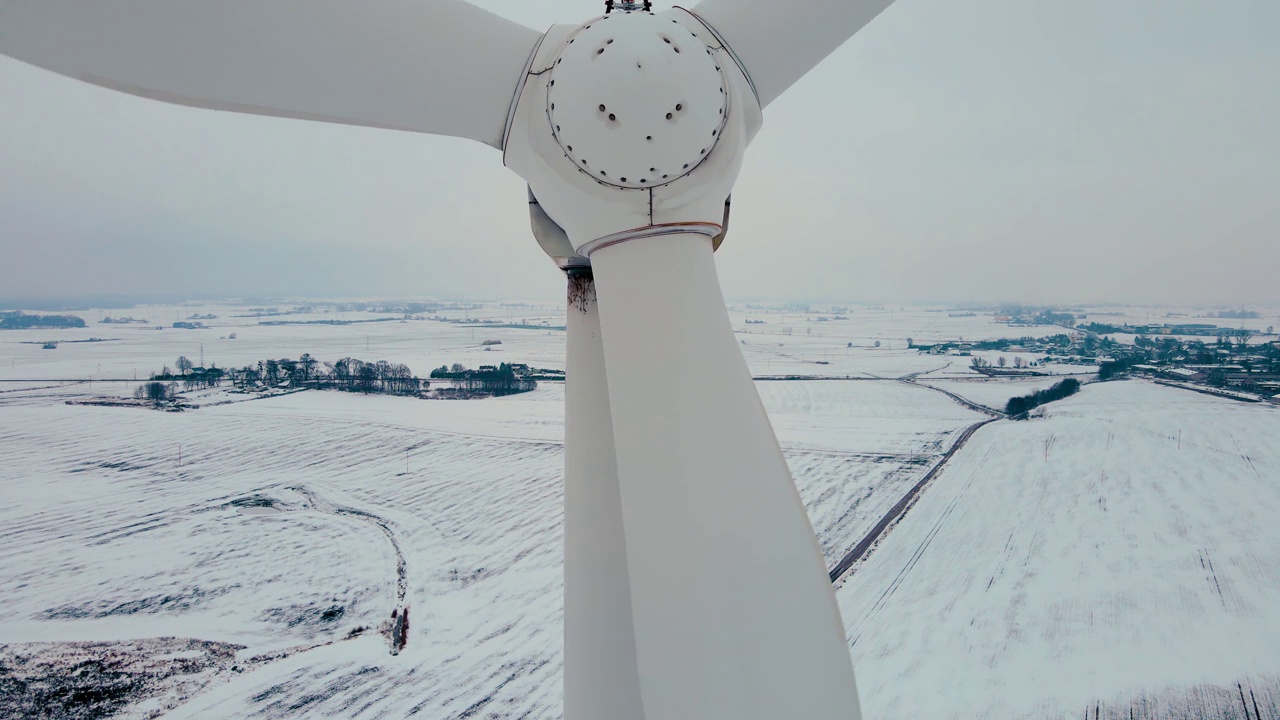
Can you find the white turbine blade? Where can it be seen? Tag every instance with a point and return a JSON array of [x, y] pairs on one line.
[[778, 42], [432, 66], [600, 679], [734, 614]]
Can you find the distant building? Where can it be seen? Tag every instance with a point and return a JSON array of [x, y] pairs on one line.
[[1195, 329]]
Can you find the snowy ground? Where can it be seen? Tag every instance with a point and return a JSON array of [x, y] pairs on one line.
[[1074, 561], [1081, 561], [108, 539]]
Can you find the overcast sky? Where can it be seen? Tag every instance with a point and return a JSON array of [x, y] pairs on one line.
[[984, 150]]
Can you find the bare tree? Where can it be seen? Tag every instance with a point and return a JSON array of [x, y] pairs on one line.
[[367, 378], [290, 370], [156, 392], [247, 376], [308, 365], [342, 372], [184, 365]]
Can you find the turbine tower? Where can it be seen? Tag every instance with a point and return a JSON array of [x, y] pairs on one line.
[[694, 585]]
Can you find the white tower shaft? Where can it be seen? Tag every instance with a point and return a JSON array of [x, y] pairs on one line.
[[600, 676]]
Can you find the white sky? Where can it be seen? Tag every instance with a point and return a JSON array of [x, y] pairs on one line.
[[1025, 150]]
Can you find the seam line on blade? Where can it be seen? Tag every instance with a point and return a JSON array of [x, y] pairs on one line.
[[727, 48], [515, 95]]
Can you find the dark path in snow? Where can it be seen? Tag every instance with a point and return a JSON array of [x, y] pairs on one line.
[[911, 380], [399, 627], [863, 548]]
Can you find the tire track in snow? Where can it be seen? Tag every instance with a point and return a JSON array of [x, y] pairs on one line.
[[918, 553], [911, 380], [400, 614], [1206, 564]]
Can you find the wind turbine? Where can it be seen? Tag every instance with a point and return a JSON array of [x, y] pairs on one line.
[[694, 585]]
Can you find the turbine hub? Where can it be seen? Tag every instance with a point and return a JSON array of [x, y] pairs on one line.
[[636, 100]]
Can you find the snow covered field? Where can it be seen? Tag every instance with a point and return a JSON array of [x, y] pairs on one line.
[[108, 539], [1082, 560]]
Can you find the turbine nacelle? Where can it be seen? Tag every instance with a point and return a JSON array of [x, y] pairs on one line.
[[629, 125]]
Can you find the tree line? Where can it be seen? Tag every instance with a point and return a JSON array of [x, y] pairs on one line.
[[347, 374], [487, 379], [18, 320], [1027, 403], [155, 392]]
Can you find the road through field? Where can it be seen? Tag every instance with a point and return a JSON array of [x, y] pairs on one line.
[[860, 550]]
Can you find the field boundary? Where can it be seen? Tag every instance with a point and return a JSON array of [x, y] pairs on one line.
[[863, 548]]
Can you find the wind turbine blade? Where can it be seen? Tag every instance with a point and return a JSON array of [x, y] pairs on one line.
[[734, 614], [600, 679], [778, 42], [430, 66]]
